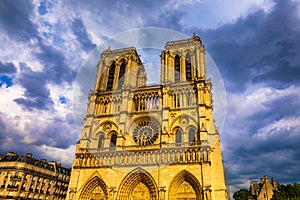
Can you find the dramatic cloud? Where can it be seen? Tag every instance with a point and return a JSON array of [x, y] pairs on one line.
[[81, 35], [260, 48], [7, 68], [255, 44], [15, 20]]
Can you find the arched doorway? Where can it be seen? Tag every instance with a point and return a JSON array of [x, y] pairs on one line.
[[138, 185], [94, 189], [185, 186]]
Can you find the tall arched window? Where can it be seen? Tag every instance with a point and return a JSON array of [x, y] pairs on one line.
[[177, 69], [101, 142], [178, 139], [110, 80], [113, 141], [188, 67], [192, 137], [121, 75]]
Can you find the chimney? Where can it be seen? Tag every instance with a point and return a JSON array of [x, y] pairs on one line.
[[28, 155], [11, 153]]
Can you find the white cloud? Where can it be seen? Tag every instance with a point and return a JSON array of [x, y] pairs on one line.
[[285, 125], [253, 100], [65, 156]]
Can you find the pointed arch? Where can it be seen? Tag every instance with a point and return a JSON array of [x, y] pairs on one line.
[[188, 67], [113, 140], [178, 136], [185, 178], [137, 178], [111, 74], [122, 74], [101, 141], [177, 69], [91, 185]]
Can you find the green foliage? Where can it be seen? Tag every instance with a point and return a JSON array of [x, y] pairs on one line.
[[242, 194], [287, 192]]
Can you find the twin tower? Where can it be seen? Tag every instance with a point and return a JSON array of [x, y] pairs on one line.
[[155, 142]]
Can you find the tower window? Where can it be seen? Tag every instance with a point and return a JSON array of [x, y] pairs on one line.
[[113, 141], [110, 80], [188, 67], [121, 75], [177, 69]]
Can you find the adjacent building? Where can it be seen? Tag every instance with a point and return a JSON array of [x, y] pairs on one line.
[[263, 189], [150, 142], [24, 177]]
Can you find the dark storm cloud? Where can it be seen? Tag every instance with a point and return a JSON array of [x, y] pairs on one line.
[[36, 91], [265, 143], [56, 69], [262, 47], [52, 134], [258, 52], [169, 19], [15, 19], [7, 68], [9, 134], [82, 36]]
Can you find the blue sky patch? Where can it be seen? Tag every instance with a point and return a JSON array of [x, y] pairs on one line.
[[7, 80], [62, 100]]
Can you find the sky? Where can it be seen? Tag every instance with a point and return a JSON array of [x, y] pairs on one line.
[[254, 44]]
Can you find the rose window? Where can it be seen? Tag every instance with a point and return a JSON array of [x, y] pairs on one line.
[[145, 133]]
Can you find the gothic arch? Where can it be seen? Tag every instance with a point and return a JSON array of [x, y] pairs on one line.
[[185, 177], [122, 73], [110, 77], [91, 185], [188, 67], [178, 133], [121, 59], [183, 120], [133, 180], [177, 68], [101, 140], [186, 51], [109, 122]]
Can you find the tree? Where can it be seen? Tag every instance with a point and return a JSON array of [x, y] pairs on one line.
[[242, 194], [287, 192]]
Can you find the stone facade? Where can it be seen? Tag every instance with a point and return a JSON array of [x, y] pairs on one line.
[[150, 142], [24, 177]]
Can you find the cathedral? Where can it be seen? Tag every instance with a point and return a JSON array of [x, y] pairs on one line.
[[156, 142]]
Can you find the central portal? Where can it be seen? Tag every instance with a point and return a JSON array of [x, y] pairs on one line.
[[140, 192]]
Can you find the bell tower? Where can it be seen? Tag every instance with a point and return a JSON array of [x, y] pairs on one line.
[[183, 61], [119, 68], [155, 142]]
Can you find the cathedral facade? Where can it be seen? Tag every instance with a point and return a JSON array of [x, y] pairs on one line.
[[153, 142]]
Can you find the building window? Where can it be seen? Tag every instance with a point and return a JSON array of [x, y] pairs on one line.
[[110, 80], [192, 138], [101, 141], [113, 141], [122, 75], [188, 67], [177, 69], [178, 139]]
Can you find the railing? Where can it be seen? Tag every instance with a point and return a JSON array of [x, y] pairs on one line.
[[191, 154]]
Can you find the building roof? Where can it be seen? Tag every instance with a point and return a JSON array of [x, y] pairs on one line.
[[28, 159]]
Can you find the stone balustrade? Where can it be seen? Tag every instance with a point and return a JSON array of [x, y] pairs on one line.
[[99, 158]]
